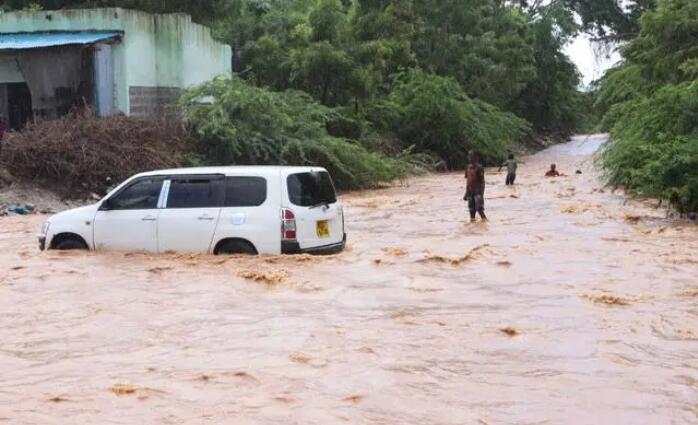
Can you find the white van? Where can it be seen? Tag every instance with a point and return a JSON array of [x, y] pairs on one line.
[[219, 210]]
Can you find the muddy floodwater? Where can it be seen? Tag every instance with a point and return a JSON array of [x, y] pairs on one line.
[[571, 306]]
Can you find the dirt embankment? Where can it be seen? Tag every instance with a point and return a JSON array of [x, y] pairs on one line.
[[34, 197]]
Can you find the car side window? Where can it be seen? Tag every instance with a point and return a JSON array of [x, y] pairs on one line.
[[195, 192], [140, 195], [245, 191]]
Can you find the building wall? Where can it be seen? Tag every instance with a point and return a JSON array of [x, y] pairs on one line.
[[157, 54]]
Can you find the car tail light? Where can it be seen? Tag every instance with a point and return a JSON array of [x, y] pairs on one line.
[[288, 224]]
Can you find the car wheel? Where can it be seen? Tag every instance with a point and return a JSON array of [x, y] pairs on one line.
[[236, 247], [70, 244]]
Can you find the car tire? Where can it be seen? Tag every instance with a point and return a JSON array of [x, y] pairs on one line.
[[70, 244], [236, 247]]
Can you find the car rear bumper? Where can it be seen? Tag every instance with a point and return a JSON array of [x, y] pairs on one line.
[[292, 247]]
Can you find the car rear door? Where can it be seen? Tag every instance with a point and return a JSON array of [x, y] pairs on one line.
[[319, 217], [251, 212], [128, 219], [190, 214]]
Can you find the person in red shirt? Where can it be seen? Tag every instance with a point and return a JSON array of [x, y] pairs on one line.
[[475, 187], [552, 172]]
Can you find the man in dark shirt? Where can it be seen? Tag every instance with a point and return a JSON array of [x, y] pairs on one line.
[[475, 186]]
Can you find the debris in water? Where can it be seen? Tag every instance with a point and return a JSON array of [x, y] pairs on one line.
[[513, 195], [632, 219], [158, 270], [299, 358], [18, 268], [504, 263], [354, 398], [397, 252], [377, 261], [272, 277], [509, 331], [205, 378], [122, 389], [574, 209], [58, 399], [297, 258], [606, 299], [451, 260], [284, 399]]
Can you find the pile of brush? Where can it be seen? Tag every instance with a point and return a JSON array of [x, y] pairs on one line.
[[82, 153]]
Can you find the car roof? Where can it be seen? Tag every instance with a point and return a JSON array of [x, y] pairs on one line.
[[266, 170]]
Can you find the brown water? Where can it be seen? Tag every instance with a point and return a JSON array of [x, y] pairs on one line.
[[568, 307]]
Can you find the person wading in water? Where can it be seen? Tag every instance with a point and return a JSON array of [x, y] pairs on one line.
[[475, 187]]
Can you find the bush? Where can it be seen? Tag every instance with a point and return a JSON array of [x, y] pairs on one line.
[[80, 151], [434, 115], [652, 103], [654, 145], [234, 122]]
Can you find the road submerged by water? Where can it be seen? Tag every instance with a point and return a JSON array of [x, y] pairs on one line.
[[568, 307]]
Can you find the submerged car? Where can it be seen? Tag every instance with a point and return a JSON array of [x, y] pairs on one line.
[[218, 210]]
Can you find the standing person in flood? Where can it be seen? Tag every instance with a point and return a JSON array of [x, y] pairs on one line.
[[511, 169], [475, 187]]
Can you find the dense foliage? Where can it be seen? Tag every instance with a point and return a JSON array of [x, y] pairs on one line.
[[433, 114], [652, 103], [237, 123]]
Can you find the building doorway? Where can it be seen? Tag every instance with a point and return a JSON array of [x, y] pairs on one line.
[[19, 105]]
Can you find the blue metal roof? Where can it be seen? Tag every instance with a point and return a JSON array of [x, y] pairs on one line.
[[35, 40]]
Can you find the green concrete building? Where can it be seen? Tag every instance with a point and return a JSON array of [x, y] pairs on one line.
[[114, 60]]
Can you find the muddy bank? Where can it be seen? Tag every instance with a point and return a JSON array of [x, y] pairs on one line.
[[569, 306]]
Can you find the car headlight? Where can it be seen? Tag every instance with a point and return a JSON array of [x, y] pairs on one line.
[[45, 227]]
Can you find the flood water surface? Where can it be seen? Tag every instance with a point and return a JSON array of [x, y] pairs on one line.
[[570, 306]]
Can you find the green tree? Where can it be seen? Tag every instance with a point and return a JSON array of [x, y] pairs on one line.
[[652, 103], [237, 123]]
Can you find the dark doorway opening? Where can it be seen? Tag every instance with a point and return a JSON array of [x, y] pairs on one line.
[[19, 105]]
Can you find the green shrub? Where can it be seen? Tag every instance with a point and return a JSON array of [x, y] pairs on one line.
[[652, 103], [434, 115], [234, 122], [654, 145]]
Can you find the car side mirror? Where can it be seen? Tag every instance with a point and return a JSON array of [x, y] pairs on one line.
[[106, 205]]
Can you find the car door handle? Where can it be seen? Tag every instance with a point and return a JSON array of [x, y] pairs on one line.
[[149, 218], [205, 217]]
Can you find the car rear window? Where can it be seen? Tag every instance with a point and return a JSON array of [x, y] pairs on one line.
[[195, 192], [245, 191], [311, 188]]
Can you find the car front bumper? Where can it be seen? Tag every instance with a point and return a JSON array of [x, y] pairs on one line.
[[292, 247]]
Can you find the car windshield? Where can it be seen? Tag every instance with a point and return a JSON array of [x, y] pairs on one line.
[[311, 189]]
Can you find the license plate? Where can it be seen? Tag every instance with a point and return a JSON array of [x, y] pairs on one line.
[[323, 229]]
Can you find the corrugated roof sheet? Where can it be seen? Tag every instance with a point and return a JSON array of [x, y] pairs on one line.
[[35, 40]]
